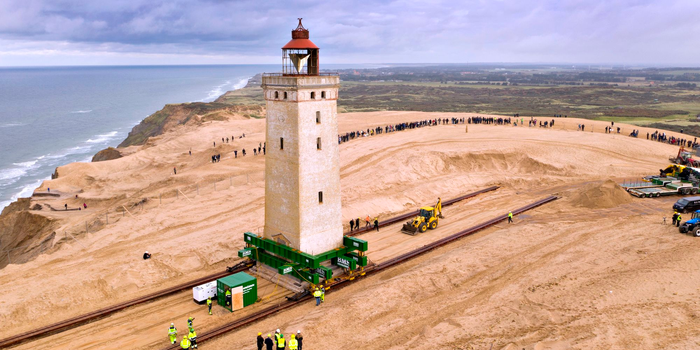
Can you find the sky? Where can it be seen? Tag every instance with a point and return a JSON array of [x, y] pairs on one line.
[[147, 32]]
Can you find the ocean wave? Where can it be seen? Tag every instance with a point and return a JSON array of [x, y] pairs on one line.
[[10, 125], [102, 138], [70, 151], [25, 191], [241, 84], [221, 89], [82, 111], [11, 175]]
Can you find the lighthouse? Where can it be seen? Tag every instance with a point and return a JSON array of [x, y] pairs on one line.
[[302, 169]]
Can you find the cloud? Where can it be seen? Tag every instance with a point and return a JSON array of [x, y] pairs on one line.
[[572, 31]]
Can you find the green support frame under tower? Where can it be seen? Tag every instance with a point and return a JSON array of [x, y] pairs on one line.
[[305, 267]]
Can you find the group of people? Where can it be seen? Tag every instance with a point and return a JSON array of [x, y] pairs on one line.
[[489, 120], [355, 223], [189, 341], [226, 139], [675, 219], [396, 127], [295, 342], [662, 137]]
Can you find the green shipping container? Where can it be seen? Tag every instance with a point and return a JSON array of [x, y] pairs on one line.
[[238, 283]]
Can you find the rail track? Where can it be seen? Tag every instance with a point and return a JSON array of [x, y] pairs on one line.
[[242, 266], [211, 334]]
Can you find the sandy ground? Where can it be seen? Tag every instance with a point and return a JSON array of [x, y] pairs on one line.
[[593, 270]]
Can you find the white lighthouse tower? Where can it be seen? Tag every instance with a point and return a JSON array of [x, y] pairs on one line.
[[302, 170]]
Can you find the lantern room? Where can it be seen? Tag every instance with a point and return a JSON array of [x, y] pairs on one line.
[[300, 55]]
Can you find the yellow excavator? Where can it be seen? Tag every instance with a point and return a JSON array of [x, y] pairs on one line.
[[428, 218]]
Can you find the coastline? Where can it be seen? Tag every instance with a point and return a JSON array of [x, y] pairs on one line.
[[15, 173]]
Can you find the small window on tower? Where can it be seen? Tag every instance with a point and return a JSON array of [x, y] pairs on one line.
[[320, 196], [318, 143], [281, 142], [285, 95], [277, 95], [318, 117], [313, 95], [323, 94]]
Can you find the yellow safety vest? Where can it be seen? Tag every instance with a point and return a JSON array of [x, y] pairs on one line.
[[172, 330], [280, 341], [510, 215], [293, 344], [678, 218], [208, 302], [317, 294], [228, 292], [192, 335], [185, 343]]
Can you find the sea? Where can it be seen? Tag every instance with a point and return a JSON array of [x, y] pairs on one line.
[[51, 116]]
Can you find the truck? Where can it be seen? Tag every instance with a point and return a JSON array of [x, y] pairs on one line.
[[691, 226], [663, 187]]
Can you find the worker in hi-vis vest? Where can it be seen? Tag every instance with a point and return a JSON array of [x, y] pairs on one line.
[[510, 217], [281, 342], [172, 333], [209, 304], [192, 336], [228, 297], [317, 295], [293, 344], [185, 343]]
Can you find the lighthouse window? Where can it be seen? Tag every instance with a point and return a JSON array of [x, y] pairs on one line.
[[281, 142], [323, 94], [313, 95], [277, 95], [320, 196], [318, 143], [318, 117], [285, 95]]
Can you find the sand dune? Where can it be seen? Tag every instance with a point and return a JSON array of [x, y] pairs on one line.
[[595, 269]]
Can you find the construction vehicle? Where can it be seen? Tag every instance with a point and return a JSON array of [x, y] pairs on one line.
[[691, 226], [428, 218], [685, 157]]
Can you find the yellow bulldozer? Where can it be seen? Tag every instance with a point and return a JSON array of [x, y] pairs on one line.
[[428, 218]]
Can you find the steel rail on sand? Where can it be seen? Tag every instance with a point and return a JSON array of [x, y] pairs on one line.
[[82, 319], [211, 334], [85, 318]]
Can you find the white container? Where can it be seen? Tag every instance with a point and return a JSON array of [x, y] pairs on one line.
[[202, 292]]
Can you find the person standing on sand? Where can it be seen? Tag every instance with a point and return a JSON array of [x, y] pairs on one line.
[[352, 224], [235, 153], [66, 205], [510, 217], [268, 342], [367, 224], [376, 224], [172, 333], [357, 223], [185, 343], [260, 341], [300, 339], [214, 143]]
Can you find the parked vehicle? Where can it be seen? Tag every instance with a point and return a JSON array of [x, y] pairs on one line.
[[691, 226], [687, 204]]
